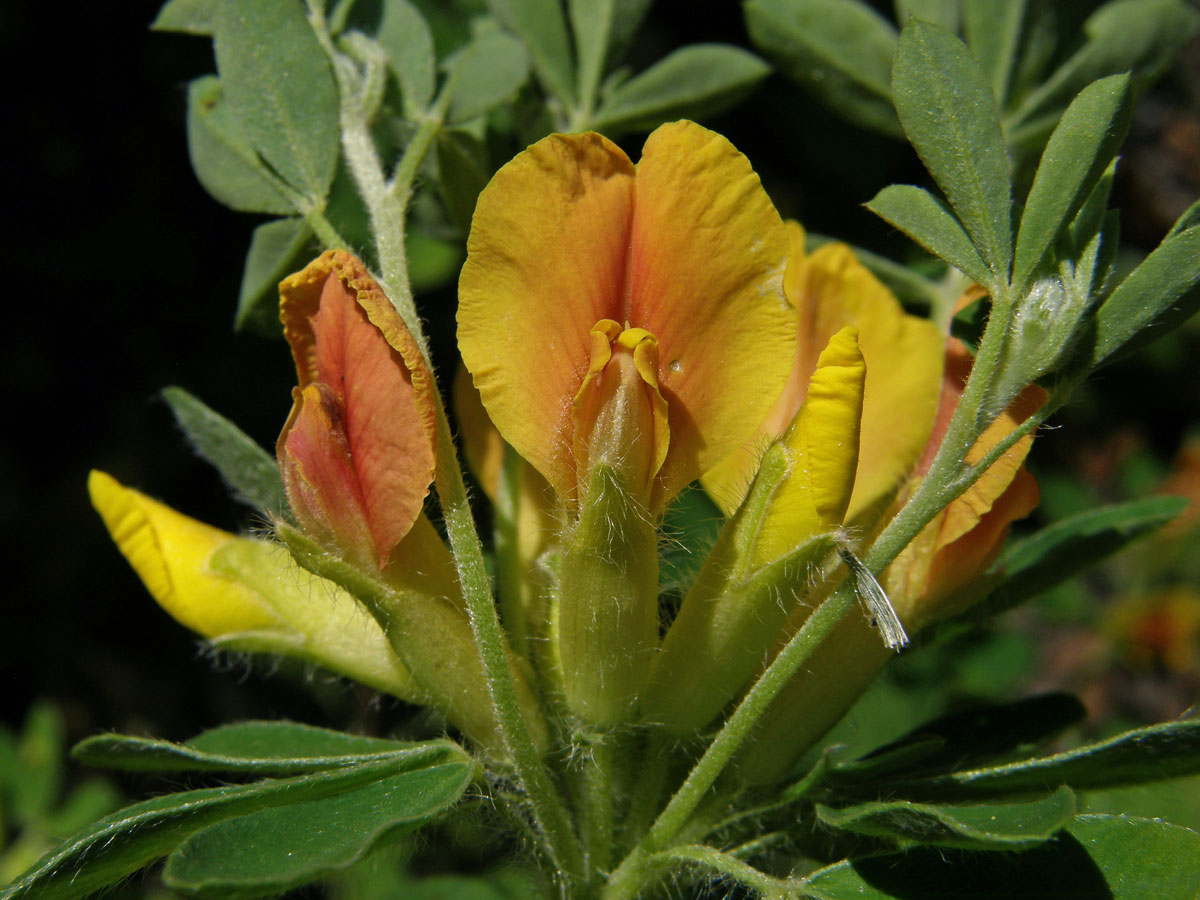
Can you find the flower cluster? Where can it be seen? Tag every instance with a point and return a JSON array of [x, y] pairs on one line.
[[626, 331]]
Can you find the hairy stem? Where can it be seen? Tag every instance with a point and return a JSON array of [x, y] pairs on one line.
[[550, 813]]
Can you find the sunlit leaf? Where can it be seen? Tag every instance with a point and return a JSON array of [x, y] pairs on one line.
[[923, 218], [949, 114], [277, 249], [283, 847], [966, 825], [1037, 563], [1076, 156], [279, 85], [225, 162]]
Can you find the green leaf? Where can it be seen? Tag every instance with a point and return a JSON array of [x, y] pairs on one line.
[[1037, 563], [277, 248], [946, 13], [591, 26], [463, 171], [84, 805], [694, 82], [1095, 858], [601, 29], [841, 50], [689, 529], [949, 114], [487, 72], [1189, 219], [1154, 298], [503, 885], [187, 16], [39, 750], [993, 32], [1139, 35], [280, 88], [923, 218], [122, 843], [1076, 156], [1154, 753], [543, 30], [964, 738], [225, 162], [257, 748], [249, 470], [406, 40], [967, 826], [276, 849]]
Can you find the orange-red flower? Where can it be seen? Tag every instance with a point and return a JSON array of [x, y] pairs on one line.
[[357, 453]]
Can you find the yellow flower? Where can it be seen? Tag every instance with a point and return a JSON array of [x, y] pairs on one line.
[[632, 315], [927, 582], [830, 290]]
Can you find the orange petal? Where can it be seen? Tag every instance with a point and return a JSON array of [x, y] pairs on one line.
[[961, 561], [706, 278], [619, 415], [559, 242], [366, 403], [546, 260], [964, 513]]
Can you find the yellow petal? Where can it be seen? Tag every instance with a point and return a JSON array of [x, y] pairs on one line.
[[171, 554], [831, 289], [546, 260], [823, 447], [706, 278]]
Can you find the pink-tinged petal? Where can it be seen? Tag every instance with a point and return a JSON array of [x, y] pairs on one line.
[[961, 561], [706, 279], [319, 476], [546, 260], [365, 381]]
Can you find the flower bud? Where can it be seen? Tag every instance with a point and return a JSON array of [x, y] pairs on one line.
[[246, 594], [607, 611]]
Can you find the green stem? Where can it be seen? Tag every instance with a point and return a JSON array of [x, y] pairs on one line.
[[725, 864], [598, 837], [326, 233], [387, 204], [509, 577], [655, 764], [549, 811]]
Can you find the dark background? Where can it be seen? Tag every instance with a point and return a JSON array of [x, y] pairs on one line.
[[123, 279]]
